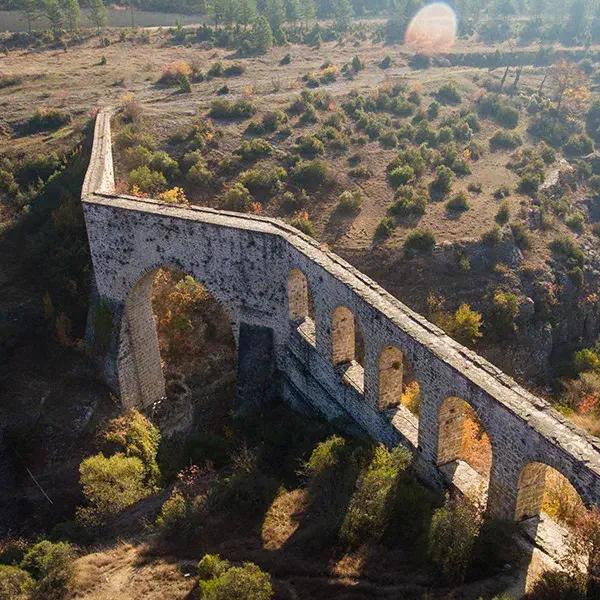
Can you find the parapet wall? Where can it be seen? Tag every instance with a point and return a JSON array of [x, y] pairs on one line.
[[245, 262]]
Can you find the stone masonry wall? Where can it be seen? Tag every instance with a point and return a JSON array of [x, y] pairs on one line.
[[245, 262]]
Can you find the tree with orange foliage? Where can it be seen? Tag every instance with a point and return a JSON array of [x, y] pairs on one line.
[[572, 86]]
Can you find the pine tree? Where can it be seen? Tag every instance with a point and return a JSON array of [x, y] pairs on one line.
[[262, 35], [30, 10], [72, 14], [54, 15], [308, 10], [292, 11], [98, 14], [247, 12], [342, 12], [276, 16]]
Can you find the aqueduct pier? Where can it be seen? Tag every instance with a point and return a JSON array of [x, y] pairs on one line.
[[294, 308]]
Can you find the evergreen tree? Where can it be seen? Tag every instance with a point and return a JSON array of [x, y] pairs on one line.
[[72, 14], [54, 15], [276, 16], [308, 11], [262, 35], [98, 14], [342, 14], [246, 12], [30, 9], [292, 11]]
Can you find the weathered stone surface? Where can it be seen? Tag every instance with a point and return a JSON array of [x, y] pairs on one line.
[[245, 262]]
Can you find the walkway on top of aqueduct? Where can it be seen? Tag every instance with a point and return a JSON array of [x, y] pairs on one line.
[[246, 262]]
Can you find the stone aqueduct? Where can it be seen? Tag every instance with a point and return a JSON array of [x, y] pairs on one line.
[[294, 307]]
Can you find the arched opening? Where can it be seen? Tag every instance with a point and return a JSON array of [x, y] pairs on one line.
[[548, 510], [464, 453], [399, 392], [348, 349], [542, 490], [178, 352], [300, 305]]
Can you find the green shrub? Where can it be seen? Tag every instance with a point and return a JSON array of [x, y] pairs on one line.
[[199, 174], [386, 62], [252, 150], [131, 136], [109, 486], [360, 172], [51, 565], [448, 94], [433, 110], [503, 214], [312, 174], [445, 135], [357, 64], [452, 535], [505, 140], [442, 182], [247, 582], [165, 164], [521, 236], [401, 176], [15, 583], [458, 203], [237, 198], [494, 107], [578, 145], [262, 181], [388, 140], [302, 222], [273, 120], [309, 145], [419, 241], [234, 70], [408, 201], [231, 109], [557, 585], [575, 222], [502, 192], [135, 436], [212, 566], [45, 119], [504, 311], [368, 513], [350, 202], [385, 228], [147, 181], [286, 60], [587, 359], [215, 70], [464, 325], [568, 251]]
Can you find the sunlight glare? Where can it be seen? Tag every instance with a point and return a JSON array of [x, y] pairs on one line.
[[432, 29]]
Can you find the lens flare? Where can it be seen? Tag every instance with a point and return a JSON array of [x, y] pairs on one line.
[[432, 30]]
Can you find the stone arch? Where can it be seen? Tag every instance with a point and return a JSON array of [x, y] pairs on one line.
[[347, 341], [397, 383], [543, 489], [300, 305], [464, 451], [140, 365]]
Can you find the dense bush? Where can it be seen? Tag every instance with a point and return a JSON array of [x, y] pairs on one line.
[[568, 251], [309, 145], [110, 485], [442, 182], [350, 201], [408, 201], [454, 529], [44, 119], [368, 513], [225, 582], [252, 150], [263, 181], [312, 174], [401, 176], [199, 174], [302, 222], [578, 145], [505, 140], [231, 109], [237, 198], [521, 236], [448, 94], [503, 214], [464, 325], [419, 241], [15, 583], [458, 203], [495, 108], [51, 565], [504, 311], [146, 180]]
